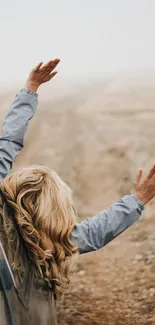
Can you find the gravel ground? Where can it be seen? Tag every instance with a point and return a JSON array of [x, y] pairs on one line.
[[116, 285]]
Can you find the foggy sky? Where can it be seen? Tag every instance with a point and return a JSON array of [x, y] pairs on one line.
[[91, 37]]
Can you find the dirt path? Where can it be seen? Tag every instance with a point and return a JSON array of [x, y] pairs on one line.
[[116, 285]]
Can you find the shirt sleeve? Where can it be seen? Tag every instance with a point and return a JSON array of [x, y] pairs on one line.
[[96, 232], [14, 128]]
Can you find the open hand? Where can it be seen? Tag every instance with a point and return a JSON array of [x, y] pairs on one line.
[[41, 74], [145, 190]]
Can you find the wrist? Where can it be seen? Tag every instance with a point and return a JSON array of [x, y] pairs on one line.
[[141, 198], [33, 86]]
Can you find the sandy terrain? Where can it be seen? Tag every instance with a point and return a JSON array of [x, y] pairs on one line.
[[116, 285], [96, 139]]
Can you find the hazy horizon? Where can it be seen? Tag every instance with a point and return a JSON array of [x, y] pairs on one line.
[[95, 127], [93, 38]]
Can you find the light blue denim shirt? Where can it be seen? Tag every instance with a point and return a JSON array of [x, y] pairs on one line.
[[14, 128], [92, 233]]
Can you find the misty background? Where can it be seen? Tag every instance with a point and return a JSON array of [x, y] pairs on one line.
[[95, 126], [93, 38], [96, 117]]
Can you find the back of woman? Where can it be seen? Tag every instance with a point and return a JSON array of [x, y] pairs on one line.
[[36, 221]]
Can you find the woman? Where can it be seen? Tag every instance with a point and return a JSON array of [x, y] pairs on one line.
[[38, 227]]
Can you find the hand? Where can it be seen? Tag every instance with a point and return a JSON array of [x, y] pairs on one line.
[[145, 190], [41, 74]]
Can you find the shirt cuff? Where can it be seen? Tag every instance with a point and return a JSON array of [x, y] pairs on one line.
[[140, 205], [30, 92]]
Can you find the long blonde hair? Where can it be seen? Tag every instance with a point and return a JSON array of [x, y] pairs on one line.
[[42, 209]]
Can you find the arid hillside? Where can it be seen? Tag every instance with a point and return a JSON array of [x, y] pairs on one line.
[[96, 138]]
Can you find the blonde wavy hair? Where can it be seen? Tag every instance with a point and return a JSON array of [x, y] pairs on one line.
[[43, 218]]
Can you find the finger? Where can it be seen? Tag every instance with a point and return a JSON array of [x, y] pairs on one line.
[[38, 66], [139, 176], [151, 172], [51, 64], [52, 74], [55, 61]]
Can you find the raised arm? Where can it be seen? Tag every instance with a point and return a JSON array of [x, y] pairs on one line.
[[14, 128], [94, 233], [20, 112]]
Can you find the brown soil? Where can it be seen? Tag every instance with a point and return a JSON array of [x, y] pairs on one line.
[[116, 285], [96, 140]]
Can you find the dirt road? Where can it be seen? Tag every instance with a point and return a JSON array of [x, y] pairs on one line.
[[116, 285], [97, 140]]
